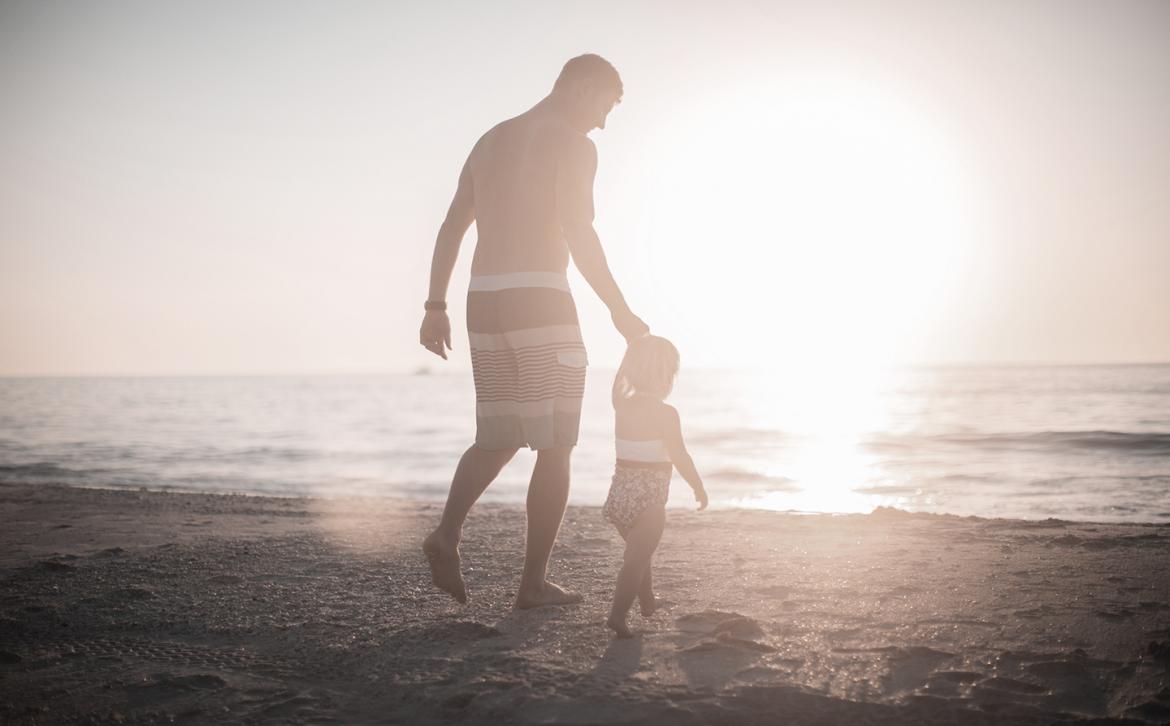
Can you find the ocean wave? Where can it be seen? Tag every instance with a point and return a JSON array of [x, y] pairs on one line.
[[39, 469], [778, 483], [1149, 443]]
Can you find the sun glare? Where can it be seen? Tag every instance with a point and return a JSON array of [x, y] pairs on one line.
[[813, 220], [813, 227]]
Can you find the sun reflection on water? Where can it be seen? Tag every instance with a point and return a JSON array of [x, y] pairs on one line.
[[828, 413]]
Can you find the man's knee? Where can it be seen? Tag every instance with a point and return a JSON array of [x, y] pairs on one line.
[[556, 457], [555, 452], [505, 454]]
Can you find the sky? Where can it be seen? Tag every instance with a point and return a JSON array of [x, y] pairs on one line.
[[255, 188]]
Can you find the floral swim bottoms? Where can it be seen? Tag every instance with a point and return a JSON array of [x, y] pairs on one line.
[[634, 490]]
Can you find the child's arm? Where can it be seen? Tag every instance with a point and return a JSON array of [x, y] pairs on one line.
[[672, 429]]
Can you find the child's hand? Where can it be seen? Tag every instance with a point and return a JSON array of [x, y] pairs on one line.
[[701, 498]]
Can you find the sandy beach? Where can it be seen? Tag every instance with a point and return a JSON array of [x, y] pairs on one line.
[[148, 607]]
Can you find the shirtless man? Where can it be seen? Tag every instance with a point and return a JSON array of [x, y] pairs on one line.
[[528, 185]]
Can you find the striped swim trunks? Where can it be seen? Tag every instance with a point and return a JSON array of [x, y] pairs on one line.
[[528, 359]]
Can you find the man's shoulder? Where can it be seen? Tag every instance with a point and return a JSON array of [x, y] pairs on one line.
[[555, 133], [546, 132], [491, 134]]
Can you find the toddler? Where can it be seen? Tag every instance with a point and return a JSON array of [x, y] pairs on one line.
[[649, 447]]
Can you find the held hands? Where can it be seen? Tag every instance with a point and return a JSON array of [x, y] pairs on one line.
[[436, 332], [629, 325], [701, 497]]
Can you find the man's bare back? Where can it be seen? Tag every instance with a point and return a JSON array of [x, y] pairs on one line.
[[514, 170]]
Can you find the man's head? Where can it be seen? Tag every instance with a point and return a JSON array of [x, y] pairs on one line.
[[589, 87]]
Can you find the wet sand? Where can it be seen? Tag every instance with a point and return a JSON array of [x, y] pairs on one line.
[[146, 607]]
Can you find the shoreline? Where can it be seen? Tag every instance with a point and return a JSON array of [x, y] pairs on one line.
[[671, 507], [162, 606]]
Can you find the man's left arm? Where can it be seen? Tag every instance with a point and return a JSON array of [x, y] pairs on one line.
[[575, 176]]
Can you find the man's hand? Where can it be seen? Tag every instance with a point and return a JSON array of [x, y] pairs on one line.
[[435, 333], [629, 325]]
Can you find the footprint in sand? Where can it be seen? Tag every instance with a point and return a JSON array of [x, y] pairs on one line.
[[777, 592], [162, 687], [915, 665], [1038, 612], [958, 676], [726, 643], [1159, 651], [706, 621], [132, 592], [1057, 670], [744, 643], [731, 631], [1115, 615], [1001, 685], [197, 681], [453, 632], [739, 627], [1154, 711]]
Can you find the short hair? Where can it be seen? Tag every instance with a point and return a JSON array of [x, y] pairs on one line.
[[593, 67], [648, 367]]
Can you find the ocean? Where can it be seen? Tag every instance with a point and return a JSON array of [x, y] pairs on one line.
[[1087, 443]]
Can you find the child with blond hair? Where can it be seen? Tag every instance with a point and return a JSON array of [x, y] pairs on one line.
[[649, 447]]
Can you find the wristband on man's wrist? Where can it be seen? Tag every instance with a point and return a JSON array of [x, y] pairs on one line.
[[435, 305]]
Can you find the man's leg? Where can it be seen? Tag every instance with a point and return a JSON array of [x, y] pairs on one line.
[[477, 469], [547, 494]]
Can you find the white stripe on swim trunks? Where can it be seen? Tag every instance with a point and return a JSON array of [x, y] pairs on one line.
[[547, 407], [511, 280], [526, 338]]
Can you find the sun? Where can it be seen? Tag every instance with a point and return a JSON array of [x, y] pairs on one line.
[[819, 220]]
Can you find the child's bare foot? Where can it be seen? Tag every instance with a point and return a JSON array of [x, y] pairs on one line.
[[550, 594], [618, 626], [444, 561], [649, 606]]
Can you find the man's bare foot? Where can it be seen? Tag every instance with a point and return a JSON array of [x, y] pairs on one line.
[[444, 562], [618, 626], [550, 594]]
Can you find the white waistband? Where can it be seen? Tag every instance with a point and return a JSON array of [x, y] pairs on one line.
[[492, 283], [642, 450]]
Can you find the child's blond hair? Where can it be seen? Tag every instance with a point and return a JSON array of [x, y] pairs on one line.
[[648, 367]]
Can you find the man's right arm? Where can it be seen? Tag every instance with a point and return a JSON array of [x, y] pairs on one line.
[[435, 332], [460, 215], [575, 174]]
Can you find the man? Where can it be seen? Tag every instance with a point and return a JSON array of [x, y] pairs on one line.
[[528, 185]]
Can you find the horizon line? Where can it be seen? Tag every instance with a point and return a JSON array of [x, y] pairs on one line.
[[434, 370]]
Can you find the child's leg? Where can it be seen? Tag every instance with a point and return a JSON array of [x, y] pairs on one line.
[[641, 541], [646, 592]]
